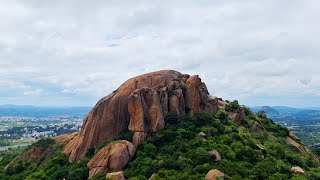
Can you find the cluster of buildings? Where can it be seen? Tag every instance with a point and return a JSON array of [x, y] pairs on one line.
[[19, 130]]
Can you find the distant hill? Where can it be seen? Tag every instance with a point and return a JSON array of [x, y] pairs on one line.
[[281, 113], [41, 111]]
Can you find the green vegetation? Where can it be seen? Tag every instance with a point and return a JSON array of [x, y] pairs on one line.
[[232, 106], [51, 164], [180, 153]]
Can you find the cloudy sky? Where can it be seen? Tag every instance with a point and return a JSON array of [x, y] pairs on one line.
[[71, 53]]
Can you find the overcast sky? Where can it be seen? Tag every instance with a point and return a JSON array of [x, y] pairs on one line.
[[72, 53]]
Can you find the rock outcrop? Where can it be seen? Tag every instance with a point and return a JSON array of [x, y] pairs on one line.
[[214, 175], [145, 111], [66, 138], [238, 116], [116, 176], [297, 170], [296, 145], [140, 105], [293, 136], [139, 137], [202, 134], [215, 155], [257, 128], [112, 157], [193, 95]]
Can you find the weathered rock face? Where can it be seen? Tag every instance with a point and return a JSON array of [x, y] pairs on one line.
[[202, 134], [297, 170], [112, 157], [145, 111], [293, 136], [140, 105], [176, 102], [193, 95], [139, 137], [214, 175], [215, 155], [296, 145], [66, 138], [257, 127], [116, 176], [238, 117]]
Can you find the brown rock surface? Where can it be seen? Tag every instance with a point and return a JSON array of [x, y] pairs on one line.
[[222, 104], [112, 157], [145, 111], [297, 170], [193, 95], [116, 176], [238, 117], [293, 136], [296, 145], [215, 155], [214, 175], [212, 104], [177, 104], [163, 95], [139, 137], [257, 127]]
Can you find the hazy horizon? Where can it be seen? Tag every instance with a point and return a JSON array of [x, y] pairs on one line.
[[53, 53], [57, 106]]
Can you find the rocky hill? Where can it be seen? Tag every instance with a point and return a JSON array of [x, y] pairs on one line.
[[164, 123], [140, 105]]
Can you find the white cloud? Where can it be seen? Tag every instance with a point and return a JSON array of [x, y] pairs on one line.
[[74, 52]]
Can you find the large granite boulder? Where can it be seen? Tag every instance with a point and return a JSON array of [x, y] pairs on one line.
[[112, 157], [297, 170], [110, 116], [140, 105], [214, 175], [66, 138], [116, 176], [215, 155]]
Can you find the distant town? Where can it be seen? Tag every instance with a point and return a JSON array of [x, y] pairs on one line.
[[17, 130], [23, 125]]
